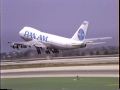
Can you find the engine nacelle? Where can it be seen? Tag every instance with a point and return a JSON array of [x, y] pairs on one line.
[[23, 46], [83, 45], [13, 46]]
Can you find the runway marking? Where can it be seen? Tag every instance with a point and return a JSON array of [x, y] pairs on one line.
[[113, 85]]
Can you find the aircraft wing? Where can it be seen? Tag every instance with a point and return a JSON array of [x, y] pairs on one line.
[[95, 39], [29, 43]]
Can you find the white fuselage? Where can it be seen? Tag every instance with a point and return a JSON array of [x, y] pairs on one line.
[[50, 40], [52, 43]]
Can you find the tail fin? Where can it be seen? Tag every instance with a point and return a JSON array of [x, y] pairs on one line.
[[81, 32]]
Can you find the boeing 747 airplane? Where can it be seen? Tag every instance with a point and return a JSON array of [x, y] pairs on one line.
[[52, 43]]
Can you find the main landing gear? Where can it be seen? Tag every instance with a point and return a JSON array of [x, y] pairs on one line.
[[39, 50], [47, 51]]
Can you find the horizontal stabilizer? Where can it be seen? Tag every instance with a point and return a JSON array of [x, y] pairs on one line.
[[96, 43], [94, 39]]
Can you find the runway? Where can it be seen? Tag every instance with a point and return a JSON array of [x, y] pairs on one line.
[[67, 71], [72, 60]]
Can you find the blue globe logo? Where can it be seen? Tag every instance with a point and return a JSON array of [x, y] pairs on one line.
[[81, 34]]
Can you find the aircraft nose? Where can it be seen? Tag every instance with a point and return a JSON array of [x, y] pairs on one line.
[[21, 32]]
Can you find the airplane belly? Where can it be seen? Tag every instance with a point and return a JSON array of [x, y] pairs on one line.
[[58, 47], [61, 46]]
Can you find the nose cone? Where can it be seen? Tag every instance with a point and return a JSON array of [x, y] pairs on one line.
[[21, 32]]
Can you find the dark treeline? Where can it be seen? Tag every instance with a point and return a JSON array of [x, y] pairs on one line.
[[30, 53]]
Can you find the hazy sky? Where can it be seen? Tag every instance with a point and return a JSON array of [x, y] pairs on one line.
[[60, 17]]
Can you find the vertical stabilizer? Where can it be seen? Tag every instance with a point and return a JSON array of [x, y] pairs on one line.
[[81, 32]]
